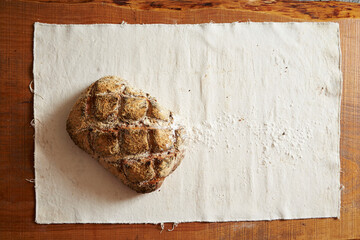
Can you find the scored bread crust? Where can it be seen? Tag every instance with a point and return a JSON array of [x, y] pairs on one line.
[[128, 132]]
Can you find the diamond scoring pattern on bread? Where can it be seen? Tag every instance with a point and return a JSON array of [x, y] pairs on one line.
[[129, 133]]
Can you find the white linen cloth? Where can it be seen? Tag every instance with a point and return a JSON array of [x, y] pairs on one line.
[[261, 103]]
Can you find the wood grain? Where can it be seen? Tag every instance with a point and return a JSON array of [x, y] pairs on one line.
[[17, 205], [293, 9]]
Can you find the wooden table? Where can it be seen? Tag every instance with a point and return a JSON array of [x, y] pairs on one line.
[[17, 205]]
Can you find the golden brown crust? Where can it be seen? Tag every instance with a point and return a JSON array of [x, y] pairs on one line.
[[133, 108], [161, 139], [129, 133], [156, 111], [134, 141]]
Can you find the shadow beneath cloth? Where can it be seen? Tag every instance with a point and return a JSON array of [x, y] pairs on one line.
[[75, 173]]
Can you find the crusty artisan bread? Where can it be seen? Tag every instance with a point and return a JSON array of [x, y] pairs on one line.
[[128, 132]]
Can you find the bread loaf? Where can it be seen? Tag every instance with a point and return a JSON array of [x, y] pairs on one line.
[[128, 132]]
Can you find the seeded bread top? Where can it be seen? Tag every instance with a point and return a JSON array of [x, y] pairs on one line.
[[126, 127]]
